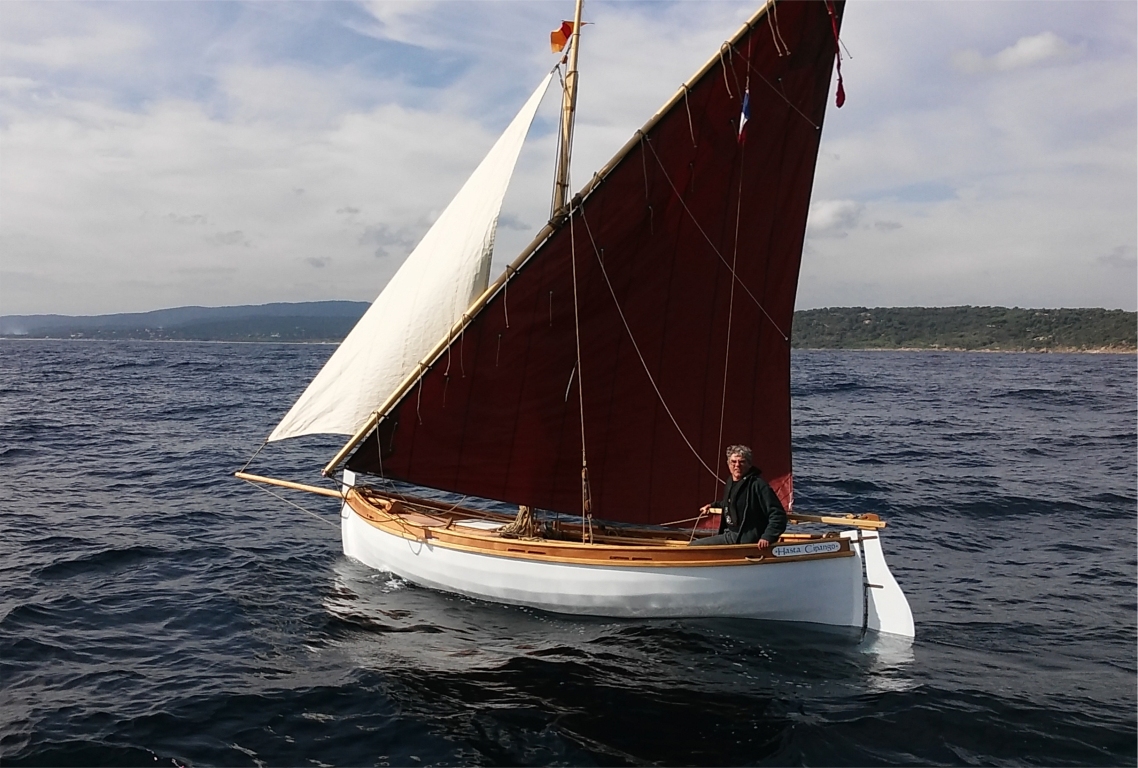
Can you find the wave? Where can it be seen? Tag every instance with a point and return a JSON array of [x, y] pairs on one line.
[[103, 562]]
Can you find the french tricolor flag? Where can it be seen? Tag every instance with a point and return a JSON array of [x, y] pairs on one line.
[[745, 115]]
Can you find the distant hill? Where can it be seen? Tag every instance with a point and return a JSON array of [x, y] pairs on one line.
[[949, 328], [967, 328], [311, 321]]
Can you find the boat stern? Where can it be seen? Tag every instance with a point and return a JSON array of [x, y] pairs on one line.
[[887, 608]]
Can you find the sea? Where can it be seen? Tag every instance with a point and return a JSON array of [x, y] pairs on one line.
[[154, 611]]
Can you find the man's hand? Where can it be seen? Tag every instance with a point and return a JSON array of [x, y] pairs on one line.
[[704, 509], [764, 544]]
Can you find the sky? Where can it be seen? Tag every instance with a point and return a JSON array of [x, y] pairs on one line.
[[164, 154]]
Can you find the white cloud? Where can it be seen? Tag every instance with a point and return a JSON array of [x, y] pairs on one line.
[[98, 43], [16, 84], [1023, 53], [1008, 190], [833, 218], [402, 21], [208, 153]]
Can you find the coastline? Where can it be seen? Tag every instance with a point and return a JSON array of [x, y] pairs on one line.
[[1050, 351]]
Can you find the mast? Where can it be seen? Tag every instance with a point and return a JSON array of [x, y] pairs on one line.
[[659, 229], [568, 114], [539, 240]]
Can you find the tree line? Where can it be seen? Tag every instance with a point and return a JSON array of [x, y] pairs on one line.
[[966, 328], [948, 328]]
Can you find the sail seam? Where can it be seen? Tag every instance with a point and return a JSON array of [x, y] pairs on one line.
[[715, 250], [635, 346]]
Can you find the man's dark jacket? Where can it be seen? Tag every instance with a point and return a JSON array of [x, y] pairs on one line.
[[750, 504]]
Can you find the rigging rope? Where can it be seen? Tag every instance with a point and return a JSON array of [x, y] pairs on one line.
[[586, 496], [778, 92], [250, 461], [776, 33], [635, 346], [731, 293], [691, 127], [726, 84], [321, 518], [715, 250]]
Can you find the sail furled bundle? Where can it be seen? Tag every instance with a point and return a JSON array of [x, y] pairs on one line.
[[680, 260], [448, 269]]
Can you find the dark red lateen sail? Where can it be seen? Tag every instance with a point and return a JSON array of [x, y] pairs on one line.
[[675, 273]]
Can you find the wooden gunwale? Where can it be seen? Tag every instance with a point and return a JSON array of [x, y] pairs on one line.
[[397, 518], [450, 514]]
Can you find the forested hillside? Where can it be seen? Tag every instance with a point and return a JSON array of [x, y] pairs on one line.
[[951, 328], [966, 328]]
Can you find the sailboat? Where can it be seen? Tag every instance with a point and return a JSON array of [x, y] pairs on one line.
[[596, 381]]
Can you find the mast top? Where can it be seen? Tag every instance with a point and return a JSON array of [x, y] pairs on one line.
[[568, 115]]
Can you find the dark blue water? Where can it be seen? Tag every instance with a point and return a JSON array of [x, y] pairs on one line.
[[154, 611]]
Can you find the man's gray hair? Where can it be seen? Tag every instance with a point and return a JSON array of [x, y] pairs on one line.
[[743, 451]]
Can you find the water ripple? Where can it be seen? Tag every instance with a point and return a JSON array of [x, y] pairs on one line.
[[154, 611]]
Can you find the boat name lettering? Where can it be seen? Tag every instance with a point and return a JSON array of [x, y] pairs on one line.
[[811, 548]]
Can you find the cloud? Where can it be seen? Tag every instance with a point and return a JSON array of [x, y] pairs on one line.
[[510, 221], [15, 85], [192, 218], [336, 129], [88, 39], [1121, 257], [1023, 53], [833, 218], [1009, 190], [387, 242], [400, 21], [236, 237]]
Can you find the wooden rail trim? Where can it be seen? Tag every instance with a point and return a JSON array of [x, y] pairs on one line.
[[578, 553]]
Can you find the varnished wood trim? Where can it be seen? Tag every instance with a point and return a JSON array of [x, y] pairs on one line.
[[865, 522], [416, 527], [287, 484]]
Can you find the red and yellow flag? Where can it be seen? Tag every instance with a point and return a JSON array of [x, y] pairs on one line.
[[559, 37]]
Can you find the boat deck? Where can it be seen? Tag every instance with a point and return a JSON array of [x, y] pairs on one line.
[[559, 540]]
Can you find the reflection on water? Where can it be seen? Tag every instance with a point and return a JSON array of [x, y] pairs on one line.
[[891, 655], [650, 691]]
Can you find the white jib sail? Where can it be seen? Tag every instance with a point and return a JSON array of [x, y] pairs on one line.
[[449, 268]]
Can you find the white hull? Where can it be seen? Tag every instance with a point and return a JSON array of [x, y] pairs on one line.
[[832, 591]]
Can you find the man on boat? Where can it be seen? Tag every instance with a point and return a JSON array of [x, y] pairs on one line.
[[751, 511]]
